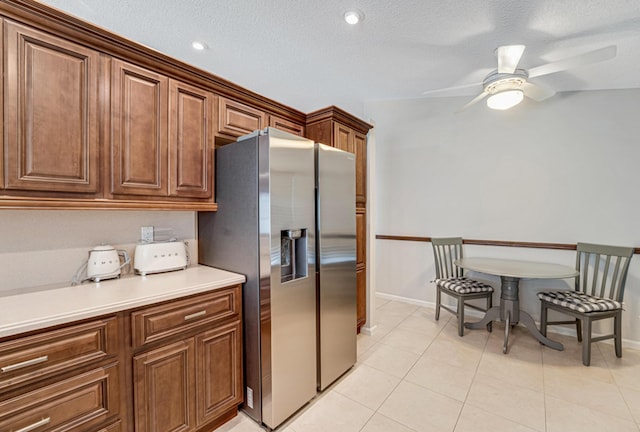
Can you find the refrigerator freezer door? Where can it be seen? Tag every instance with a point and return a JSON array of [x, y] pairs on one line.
[[336, 262]]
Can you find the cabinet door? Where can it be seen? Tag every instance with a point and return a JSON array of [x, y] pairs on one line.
[[360, 144], [139, 100], [219, 371], [343, 138], [190, 141], [236, 119], [286, 125], [51, 112], [164, 380]]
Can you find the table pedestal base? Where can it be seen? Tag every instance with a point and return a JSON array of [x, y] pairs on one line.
[[509, 312]]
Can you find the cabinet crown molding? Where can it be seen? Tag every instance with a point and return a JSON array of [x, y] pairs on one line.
[[338, 114]]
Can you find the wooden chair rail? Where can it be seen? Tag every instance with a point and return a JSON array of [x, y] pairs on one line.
[[536, 245]]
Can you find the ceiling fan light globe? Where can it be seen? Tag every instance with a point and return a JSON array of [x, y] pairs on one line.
[[505, 99]]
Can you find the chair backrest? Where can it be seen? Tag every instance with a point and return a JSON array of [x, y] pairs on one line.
[[603, 270], [445, 251]]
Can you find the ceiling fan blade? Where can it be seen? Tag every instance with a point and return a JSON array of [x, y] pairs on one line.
[[596, 56], [474, 100], [537, 92], [509, 57], [460, 87]]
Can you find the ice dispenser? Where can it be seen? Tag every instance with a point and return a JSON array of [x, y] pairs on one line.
[[293, 254]]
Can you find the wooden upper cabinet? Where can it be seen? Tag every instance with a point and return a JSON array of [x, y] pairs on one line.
[[360, 146], [139, 101], [190, 141], [286, 125], [51, 112], [236, 119], [343, 137]]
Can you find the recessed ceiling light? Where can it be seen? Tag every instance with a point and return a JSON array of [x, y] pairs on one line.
[[353, 16], [197, 45]]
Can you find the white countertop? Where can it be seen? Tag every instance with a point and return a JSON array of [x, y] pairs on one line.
[[40, 309]]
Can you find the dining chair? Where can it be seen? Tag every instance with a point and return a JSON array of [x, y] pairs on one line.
[[598, 293], [451, 281]]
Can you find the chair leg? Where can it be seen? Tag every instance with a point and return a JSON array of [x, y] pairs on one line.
[[489, 306], [586, 342], [617, 324], [543, 319], [460, 316], [579, 329], [438, 295]]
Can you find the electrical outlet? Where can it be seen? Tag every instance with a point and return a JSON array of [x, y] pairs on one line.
[[146, 234]]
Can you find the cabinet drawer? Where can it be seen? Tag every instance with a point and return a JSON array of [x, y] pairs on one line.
[[39, 356], [78, 403], [159, 322]]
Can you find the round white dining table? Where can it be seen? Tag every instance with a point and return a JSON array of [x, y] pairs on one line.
[[511, 272]]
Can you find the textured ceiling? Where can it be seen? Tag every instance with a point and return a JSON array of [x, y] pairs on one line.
[[301, 52]]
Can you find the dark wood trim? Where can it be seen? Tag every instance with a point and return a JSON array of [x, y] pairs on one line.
[[339, 115], [403, 238], [25, 203], [534, 245]]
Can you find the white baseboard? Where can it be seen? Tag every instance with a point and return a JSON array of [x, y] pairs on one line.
[[368, 330], [557, 329], [423, 303]]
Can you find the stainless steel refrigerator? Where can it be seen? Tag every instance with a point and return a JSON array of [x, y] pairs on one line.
[[299, 323]]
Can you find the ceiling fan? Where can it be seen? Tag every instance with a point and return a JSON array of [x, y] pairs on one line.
[[506, 86]]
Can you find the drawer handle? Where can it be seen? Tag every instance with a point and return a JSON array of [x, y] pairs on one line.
[[195, 315], [37, 424], [24, 364]]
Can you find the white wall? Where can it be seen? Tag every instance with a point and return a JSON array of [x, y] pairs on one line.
[[45, 248], [563, 170]]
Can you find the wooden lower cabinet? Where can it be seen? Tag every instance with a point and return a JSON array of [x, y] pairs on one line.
[[163, 382], [66, 379], [80, 403], [190, 380], [190, 383], [218, 372], [183, 373]]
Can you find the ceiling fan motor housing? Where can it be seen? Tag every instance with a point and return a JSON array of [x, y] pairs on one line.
[[496, 82]]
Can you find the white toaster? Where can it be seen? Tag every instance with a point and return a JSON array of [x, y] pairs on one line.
[[158, 257]]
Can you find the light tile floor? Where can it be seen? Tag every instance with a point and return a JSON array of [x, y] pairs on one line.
[[416, 374]]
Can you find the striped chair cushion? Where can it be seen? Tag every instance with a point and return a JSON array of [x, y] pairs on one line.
[[462, 285], [579, 301]]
